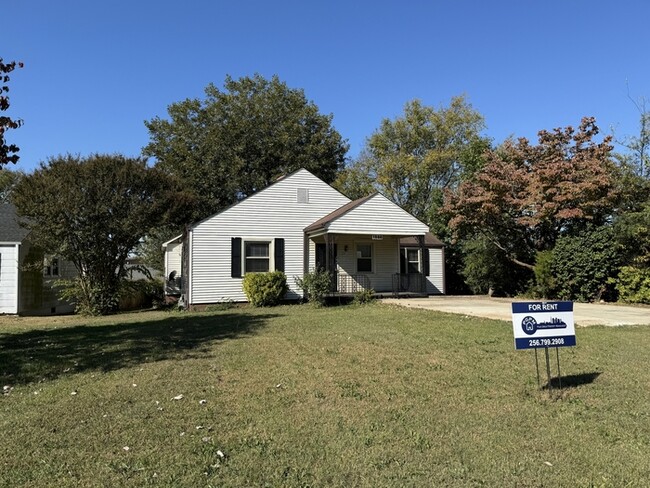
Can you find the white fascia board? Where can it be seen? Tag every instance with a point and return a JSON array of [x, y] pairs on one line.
[[165, 244]]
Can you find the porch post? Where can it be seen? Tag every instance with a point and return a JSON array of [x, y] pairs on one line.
[[422, 283], [330, 260]]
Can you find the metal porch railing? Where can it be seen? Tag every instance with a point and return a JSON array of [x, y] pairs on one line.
[[409, 283], [350, 284]]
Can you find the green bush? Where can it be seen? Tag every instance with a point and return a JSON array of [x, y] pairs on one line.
[[316, 285], [89, 299], [265, 289], [633, 284], [487, 270], [545, 282], [364, 296], [583, 264]]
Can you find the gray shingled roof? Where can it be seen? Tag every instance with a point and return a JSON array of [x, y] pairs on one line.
[[10, 230], [429, 241]]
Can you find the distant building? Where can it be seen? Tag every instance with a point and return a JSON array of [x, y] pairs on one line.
[[27, 276]]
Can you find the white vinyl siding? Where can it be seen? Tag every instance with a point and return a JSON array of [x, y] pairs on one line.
[[9, 278], [385, 259], [435, 280], [387, 262], [173, 257], [378, 216], [269, 214]]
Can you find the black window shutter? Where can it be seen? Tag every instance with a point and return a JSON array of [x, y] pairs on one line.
[[279, 254], [235, 257], [427, 270]]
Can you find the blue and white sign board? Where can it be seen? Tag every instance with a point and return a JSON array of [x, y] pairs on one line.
[[543, 324]]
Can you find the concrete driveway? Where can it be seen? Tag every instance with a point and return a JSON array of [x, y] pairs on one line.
[[500, 308]]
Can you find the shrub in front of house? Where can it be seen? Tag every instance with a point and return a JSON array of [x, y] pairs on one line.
[[364, 296], [316, 285], [265, 289]]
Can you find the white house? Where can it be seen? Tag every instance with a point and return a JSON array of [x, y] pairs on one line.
[[27, 278], [298, 224]]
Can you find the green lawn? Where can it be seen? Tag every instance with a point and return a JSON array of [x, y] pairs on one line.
[[296, 396]]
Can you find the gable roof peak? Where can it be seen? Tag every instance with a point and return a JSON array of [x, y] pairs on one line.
[[324, 221]]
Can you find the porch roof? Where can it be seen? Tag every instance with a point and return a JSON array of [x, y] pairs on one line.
[[374, 214], [175, 239], [430, 241]]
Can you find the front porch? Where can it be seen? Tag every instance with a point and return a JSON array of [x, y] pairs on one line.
[[361, 246], [360, 262], [405, 285]]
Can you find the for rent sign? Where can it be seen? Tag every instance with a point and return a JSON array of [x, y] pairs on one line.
[[543, 324]]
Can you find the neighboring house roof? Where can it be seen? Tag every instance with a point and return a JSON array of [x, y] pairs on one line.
[[323, 222], [10, 229], [177, 238], [430, 241]]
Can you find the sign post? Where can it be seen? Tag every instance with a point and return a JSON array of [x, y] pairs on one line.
[[543, 324]]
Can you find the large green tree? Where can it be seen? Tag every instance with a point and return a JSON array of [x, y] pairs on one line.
[[637, 155], [240, 139], [8, 152], [8, 181], [413, 157], [527, 196], [93, 212], [633, 225]]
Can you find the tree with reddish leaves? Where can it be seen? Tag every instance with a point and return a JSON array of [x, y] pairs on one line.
[[526, 196], [7, 151]]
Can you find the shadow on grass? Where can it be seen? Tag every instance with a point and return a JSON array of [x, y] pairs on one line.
[[572, 381], [47, 354]]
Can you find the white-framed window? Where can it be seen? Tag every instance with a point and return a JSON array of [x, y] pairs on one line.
[[410, 260], [364, 258], [257, 256], [51, 267]]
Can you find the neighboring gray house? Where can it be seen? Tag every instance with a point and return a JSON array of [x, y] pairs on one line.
[[26, 276], [298, 224]]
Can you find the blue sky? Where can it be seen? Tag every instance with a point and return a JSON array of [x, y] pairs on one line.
[[95, 70]]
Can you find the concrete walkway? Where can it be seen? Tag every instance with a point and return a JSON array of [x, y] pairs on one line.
[[500, 308]]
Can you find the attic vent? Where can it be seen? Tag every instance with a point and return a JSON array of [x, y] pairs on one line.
[[302, 195]]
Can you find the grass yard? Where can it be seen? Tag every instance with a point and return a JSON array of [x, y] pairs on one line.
[[295, 396]]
